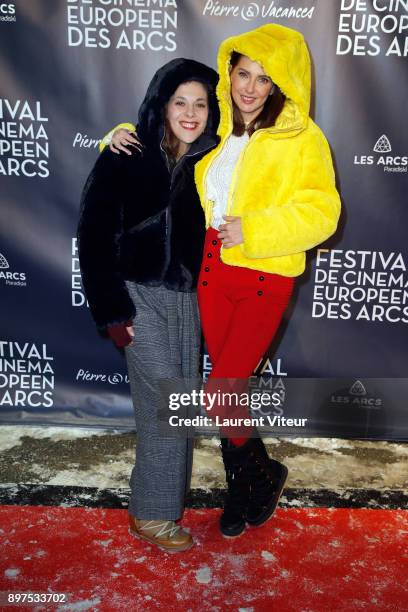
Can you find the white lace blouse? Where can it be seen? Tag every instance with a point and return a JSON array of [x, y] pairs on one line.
[[220, 174]]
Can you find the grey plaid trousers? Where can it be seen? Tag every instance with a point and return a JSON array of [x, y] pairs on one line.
[[166, 345]]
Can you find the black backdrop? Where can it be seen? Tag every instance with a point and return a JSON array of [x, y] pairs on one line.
[[70, 69]]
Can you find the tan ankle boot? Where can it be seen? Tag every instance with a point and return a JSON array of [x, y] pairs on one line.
[[167, 535]]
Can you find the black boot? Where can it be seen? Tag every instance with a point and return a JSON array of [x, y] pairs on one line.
[[267, 478], [232, 521]]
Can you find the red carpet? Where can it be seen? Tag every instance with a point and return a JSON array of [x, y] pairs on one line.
[[304, 560]]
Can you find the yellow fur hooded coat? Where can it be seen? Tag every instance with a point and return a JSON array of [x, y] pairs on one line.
[[283, 186]]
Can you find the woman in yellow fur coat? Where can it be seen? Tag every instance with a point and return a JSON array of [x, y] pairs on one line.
[[268, 192]]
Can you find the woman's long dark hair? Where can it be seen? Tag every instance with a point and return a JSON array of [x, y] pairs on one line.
[[268, 115], [171, 143]]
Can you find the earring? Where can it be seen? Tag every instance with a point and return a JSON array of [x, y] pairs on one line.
[[272, 90]]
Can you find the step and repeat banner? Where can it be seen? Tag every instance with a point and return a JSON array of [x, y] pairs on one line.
[[71, 69]]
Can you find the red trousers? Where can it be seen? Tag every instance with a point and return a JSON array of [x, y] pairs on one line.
[[240, 311]]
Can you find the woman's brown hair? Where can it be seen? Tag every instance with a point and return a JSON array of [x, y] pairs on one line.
[[171, 143], [268, 115]]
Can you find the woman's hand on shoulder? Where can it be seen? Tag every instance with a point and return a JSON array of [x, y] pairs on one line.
[[231, 232], [122, 140]]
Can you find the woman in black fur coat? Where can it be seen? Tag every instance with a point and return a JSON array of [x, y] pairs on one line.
[[141, 234]]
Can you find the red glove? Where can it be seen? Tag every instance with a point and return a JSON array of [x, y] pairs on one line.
[[119, 334]]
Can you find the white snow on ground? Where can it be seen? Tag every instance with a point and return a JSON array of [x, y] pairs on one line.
[[41, 553], [204, 575], [337, 471], [332, 445], [12, 572], [327, 467], [105, 543], [268, 556], [208, 469], [102, 475], [79, 606], [10, 435]]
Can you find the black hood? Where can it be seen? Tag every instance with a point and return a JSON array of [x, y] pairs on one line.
[[150, 126]]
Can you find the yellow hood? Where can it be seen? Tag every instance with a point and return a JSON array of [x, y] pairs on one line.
[[284, 56]]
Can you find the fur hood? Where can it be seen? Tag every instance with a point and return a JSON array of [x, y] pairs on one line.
[[150, 126], [283, 54], [283, 185]]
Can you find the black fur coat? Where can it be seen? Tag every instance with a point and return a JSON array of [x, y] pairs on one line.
[[140, 220]]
